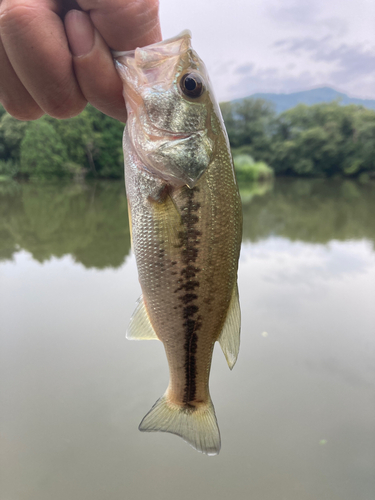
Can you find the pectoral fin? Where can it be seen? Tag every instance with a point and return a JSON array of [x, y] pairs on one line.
[[230, 334], [167, 217], [140, 327]]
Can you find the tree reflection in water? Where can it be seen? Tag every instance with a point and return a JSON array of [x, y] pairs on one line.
[[90, 221]]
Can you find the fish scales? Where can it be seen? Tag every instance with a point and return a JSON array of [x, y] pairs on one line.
[[186, 233]]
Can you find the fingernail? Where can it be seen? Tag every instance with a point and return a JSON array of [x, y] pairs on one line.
[[80, 32]]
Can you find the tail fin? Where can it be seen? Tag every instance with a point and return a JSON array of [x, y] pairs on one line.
[[197, 426]]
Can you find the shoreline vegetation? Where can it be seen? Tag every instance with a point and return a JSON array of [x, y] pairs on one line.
[[323, 140]]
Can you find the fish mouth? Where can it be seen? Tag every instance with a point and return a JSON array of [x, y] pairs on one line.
[[153, 64], [167, 136], [177, 157], [158, 135], [169, 133], [185, 35], [177, 136]]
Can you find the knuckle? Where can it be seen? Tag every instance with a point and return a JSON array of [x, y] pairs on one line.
[[17, 16], [143, 12], [62, 105], [24, 112], [145, 25]]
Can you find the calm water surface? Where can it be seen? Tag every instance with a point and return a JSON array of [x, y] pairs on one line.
[[297, 414]]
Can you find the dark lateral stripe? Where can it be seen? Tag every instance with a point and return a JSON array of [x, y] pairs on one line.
[[188, 285]]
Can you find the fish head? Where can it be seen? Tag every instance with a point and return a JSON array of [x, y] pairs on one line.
[[173, 117]]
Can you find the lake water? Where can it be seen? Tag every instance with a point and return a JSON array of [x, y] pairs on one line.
[[297, 414]]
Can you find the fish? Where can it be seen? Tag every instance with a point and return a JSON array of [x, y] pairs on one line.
[[186, 229]]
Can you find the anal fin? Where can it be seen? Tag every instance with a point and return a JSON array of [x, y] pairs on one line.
[[140, 327], [229, 338]]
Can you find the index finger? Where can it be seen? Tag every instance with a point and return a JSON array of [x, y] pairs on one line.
[[34, 40], [125, 24]]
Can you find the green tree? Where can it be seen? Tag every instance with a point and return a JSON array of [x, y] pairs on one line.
[[79, 138], [250, 123], [90, 143], [365, 142], [109, 158], [323, 140], [12, 132], [43, 153]]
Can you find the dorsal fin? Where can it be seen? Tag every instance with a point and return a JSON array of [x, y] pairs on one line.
[[229, 338], [140, 327]]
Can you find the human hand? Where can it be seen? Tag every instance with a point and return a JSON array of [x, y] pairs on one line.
[[55, 55]]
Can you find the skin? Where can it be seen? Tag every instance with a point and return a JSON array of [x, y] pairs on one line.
[[55, 55]]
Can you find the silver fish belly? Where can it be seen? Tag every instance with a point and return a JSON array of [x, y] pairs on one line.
[[186, 224]]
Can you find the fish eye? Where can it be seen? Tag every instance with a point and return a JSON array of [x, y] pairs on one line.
[[191, 85]]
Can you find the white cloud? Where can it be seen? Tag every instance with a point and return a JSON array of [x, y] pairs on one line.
[[342, 65], [351, 60], [273, 79], [324, 43]]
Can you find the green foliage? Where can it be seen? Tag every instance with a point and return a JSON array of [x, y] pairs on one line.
[[89, 144], [317, 140], [109, 159], [250, 123], [94, 143], [8, 169], [247, 170], [43, 152], [323, 140], [12, 132], [78, 137]]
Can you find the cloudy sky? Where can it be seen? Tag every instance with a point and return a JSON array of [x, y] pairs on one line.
[[280, 45]]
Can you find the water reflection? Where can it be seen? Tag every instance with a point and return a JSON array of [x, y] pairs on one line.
[[314, 211], [297, 412], [90, 221]]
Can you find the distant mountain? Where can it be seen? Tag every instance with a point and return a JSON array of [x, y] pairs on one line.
[[315, 96]]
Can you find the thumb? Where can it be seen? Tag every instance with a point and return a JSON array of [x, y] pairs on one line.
[[93, 65], [125, 24]]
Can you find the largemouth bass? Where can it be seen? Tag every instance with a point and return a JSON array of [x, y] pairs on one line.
[[186, 227]]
